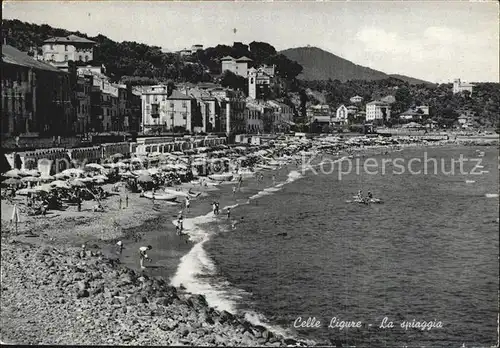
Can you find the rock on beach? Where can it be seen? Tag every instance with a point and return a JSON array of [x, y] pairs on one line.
[[110, 304]]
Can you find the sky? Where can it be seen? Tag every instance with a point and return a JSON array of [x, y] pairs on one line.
[[431, 40]]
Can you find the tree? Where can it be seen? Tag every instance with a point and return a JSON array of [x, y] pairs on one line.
[[236, 82], [261, 51]]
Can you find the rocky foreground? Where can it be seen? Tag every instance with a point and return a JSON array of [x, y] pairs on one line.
[[51, 296]]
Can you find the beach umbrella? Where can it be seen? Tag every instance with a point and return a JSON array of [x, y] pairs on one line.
[[100, 177], [46, 178], [73, 171], [100, 181], [25, 191], [60, 184], [127, 175], [60, 176], [121, 165], [43, 188], [145, 178], [11, 181], [117, 156], [93, 166], [30, 179], [77, 183], [13, 173], [153, 171], [141, 172], [30, 172]]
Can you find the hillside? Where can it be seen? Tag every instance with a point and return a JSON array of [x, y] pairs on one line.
[[322, 65], [137, 62]]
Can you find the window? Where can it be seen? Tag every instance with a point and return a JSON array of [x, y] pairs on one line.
[[65, 47], [172, 105], [65, 57], [184, 105], [51, 47], [80, 58], [52, 58], [86, 58]]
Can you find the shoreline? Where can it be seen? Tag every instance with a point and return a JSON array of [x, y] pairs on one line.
[[128, 226]]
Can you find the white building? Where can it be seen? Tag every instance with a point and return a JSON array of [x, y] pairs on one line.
[[259, 83], [341, 115], [60, 50], [377, 110], [356, 99], [459, 86], [238, 66], [170, 112]]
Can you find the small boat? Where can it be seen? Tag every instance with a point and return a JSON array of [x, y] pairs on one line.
[[246, 173], [160, 196], [182, 193], [263, 166], [366, 201], [221, 177]]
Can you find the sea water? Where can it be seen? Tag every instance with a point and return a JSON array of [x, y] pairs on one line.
[[420, 269]]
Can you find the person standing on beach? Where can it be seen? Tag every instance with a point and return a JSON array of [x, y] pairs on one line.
[[274, 179], [188, 203], [120, 203], [120, 246], [126, 200], [240, 181], [143, 255], [228, 213], [217, 208], [234, 190], [214, 208]]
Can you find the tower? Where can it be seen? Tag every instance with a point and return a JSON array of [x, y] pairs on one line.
[[456, 86], [252, 83]]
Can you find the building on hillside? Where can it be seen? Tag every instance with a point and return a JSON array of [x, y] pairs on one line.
[[282, 116], [209, 107], [83, 103], [415, 113], [341, 115], [58, 51], [459, 86], [356, 99], [196, 48], [232, 111], [238, 66], [378, 110], [259, 84], [390, 99], [320, 110], [253, 120], [319, 123], [177, 112], [36, 97], [466, 121], [185, 52], [134, 105]]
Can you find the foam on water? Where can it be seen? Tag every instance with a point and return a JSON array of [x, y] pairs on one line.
[[196, 265], [491, 195]]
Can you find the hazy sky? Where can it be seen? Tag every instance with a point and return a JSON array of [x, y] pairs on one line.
[[435, 41]]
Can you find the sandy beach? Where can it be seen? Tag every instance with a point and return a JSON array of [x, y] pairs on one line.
[[104, 298]]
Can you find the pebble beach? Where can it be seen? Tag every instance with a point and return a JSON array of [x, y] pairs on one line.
[[101, 297]]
